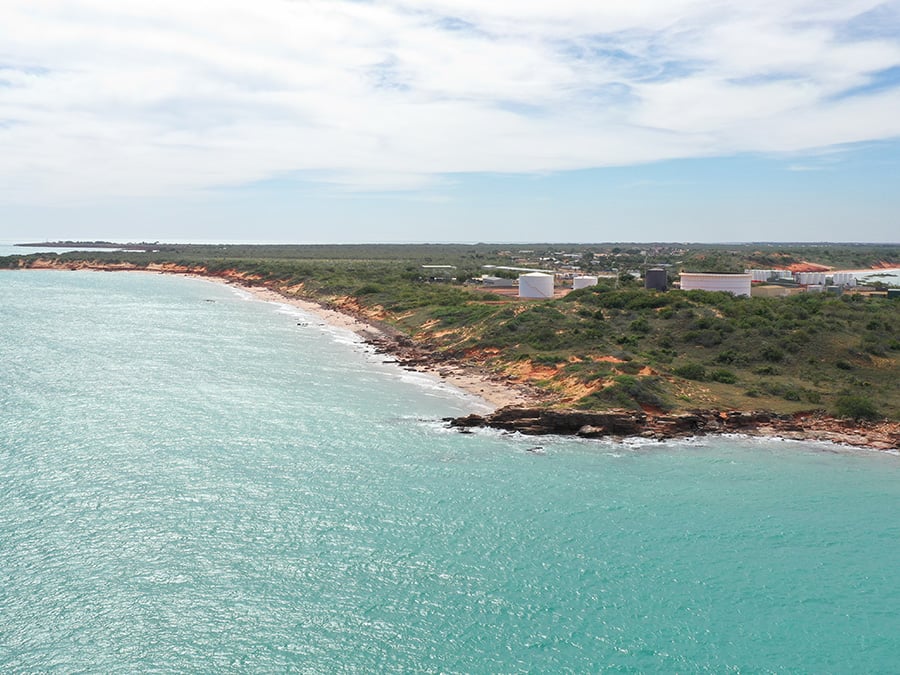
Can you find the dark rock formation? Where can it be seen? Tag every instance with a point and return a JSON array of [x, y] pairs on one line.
[[622, 423]]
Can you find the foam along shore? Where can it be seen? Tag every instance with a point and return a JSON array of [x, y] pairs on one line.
[[495, 391]]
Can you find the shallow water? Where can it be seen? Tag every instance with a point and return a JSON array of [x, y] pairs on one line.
[[191, 481]]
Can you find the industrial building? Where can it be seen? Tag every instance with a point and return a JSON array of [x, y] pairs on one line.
[[583, 281], [496, 282], [736, 284], [774, 290]]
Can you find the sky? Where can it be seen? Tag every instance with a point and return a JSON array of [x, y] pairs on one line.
[[314, 121]]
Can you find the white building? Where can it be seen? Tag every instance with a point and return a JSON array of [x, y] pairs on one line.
[[583, 282]]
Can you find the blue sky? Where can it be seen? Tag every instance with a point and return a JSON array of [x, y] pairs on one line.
[[450, 120]]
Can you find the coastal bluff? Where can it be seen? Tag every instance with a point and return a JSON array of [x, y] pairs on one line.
[[626, 423]]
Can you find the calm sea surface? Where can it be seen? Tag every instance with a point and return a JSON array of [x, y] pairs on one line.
[[191, 481]]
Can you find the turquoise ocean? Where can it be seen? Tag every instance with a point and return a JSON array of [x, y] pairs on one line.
[[192, 480]]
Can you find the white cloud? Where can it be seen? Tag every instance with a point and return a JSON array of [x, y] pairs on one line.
[[102, 98]]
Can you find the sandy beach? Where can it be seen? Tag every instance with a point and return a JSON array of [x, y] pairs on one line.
[[495, 391]]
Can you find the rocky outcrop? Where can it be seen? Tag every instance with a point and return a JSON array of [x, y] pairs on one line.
[[623, 423]]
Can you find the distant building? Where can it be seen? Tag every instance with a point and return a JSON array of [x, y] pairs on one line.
[[656, 280], [583, 282], [496, 282], [774, 290], [439, 272]]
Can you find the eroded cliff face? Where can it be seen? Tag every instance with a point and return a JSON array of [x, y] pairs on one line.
[[56, 264], [622, 423]]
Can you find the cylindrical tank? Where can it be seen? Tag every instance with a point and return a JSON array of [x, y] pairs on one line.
[[809, 278], [762, 275], [736, 284], [583, 282], [535, 285], [844, 279], [656, 279]]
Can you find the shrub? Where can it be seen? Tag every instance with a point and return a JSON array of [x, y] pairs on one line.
[[722, 375], [640, 326], [691, 371], [628, 391], [772, 354], [704, 338], [857, 407], [727, 356], [873, 345], [548, 359]]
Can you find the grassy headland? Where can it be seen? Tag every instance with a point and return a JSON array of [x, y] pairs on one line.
[[615, 345]]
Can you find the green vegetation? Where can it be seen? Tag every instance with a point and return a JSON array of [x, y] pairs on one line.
[[612, 345], [856, 407]]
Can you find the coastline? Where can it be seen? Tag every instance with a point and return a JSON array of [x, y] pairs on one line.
[[816, 427], [517, 407], [494, 391]]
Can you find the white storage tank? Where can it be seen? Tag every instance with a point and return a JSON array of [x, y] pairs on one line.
[[583, 282], [811, 278], [737, 284], [844, 279], [762, 275], [536, 285]]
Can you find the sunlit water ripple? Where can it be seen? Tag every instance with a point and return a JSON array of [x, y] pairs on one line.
[[191, 481]]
